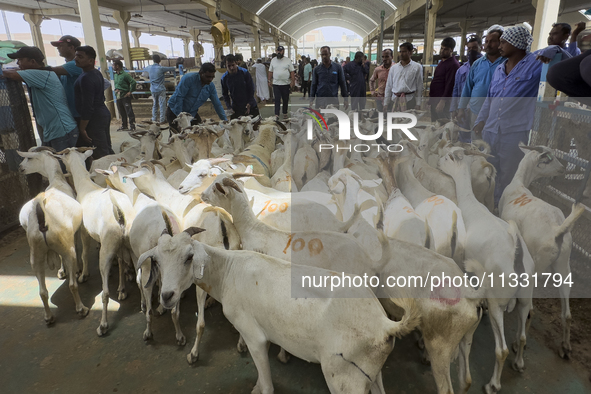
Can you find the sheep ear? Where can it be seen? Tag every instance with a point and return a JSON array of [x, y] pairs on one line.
[[197, 266], [458, 155], [220, 188], [193, 231], [103, 172], [26, 155]]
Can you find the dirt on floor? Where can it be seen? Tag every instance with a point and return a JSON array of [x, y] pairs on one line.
[[549, 311]]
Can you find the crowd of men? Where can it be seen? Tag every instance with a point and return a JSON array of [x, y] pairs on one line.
[[491, 95]]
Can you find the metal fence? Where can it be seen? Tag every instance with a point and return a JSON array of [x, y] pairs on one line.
[[567, 131], [16, 133]]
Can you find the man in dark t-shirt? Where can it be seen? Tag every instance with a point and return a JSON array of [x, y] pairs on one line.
[[95, 118], [444, 78], [238, 89]]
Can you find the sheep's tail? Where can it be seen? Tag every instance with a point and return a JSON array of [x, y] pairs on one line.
[[568, 224], [454, 232], [39, 204], [118, 213], [410, 320]]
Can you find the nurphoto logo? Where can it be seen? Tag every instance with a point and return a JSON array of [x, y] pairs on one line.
[[345, 129]]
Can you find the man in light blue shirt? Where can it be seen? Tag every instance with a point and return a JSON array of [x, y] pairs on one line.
[[194, 90], [48, 99], [507, 113], [474, 47], [68, 72], [478, 79], [156, 74]]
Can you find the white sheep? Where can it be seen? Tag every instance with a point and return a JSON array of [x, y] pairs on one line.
[[107, 215], [501, 249], [52, 221], [255, 293], [544, 229]]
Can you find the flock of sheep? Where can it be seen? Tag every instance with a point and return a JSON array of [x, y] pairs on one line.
[[235, 207]]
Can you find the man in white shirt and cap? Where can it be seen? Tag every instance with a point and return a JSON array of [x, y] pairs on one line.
[[262, 89], [404, 88]]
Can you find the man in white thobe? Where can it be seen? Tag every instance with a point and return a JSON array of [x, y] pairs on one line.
[[261, 80], [404, 88]]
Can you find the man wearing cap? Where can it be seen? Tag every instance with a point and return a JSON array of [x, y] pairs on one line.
[[507, 114], [281, 77], [191, 93], [261, 78], [238, 89], [444, 77], [478, 80], [156, 74], [124, 87], [48, 98], [68, 72]]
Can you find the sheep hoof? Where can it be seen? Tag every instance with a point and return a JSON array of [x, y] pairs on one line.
[[148, 335], [489, 389], [181, 341], [61, 274], [283, 356], [49, 320], [83, 312], [160, 310], [102, 329], [564, 352], [122, 295], [82, 278], [516, 367], [191, 359]]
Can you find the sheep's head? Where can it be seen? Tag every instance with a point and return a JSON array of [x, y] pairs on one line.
[[545, 163], [74, 156], [145, 175], [183, 120], [37, 160], [220, 192], [178, 260], [202, 174]]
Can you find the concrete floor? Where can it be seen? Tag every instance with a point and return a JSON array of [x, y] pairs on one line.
[[68, 357]]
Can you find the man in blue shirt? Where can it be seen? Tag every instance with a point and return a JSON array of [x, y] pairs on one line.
[[355, 74], [478, 79], [68, 72], [194, 90], [48, 99], [326, 79], [507, 114], [238, 90], [474, 47], [560, 33], [156, 74]]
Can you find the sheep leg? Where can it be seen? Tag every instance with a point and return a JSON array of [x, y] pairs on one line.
[[501, 350], [38, 265], [440, 355], [86, 250], [259, 350], [106, 256], [147, 305], [464, 376], [201, 296], [69, 260], [121, 289], [176, 311], [523, 307], [564, 291]]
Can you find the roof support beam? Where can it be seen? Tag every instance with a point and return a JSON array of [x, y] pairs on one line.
[[409, 7]]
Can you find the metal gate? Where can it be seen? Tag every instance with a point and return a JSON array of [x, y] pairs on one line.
[[16, 133], [567, 130]]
